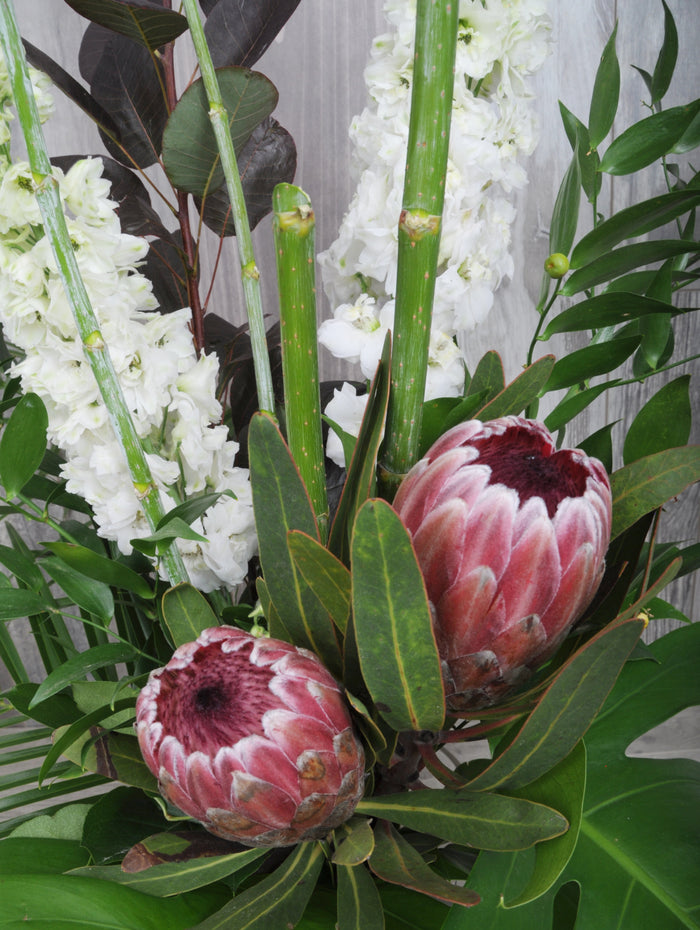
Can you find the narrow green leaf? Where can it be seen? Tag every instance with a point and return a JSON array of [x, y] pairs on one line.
[[644, 485], [570, 407], [82, 665], [520, 392], [174, 528], [633, 221], [647, 140], [23, 566], [663, 422], [666, 62], [93, 596], [606, 93], [564, 220], [22, 444], [139, 20], [488, 376], [470, 818], [327, 577], [190, 153], [626, 258], [592, 360], [564, 712], [278, 900], [393, 626], [72, 902], [187, 613], [101, 568], [608, 309], [20, 602], [394, 860], [281, 504], [359, 904], [588, 160], [562, 787], [464, 409], [191, 509]]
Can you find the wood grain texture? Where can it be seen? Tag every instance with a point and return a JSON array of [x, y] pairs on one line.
[[317, 64]]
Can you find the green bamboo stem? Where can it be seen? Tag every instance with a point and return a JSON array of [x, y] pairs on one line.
[[249, 271], [293, 228], [419, 232], [94, 347]]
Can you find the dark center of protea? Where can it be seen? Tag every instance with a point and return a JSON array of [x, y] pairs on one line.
[[523, 460], [216, 700]]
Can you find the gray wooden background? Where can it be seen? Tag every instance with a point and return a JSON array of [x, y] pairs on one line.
[[317, 64]]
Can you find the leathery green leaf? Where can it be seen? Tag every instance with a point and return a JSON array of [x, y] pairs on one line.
[[395, 640], [470, 818], [187, 613], [647, 483], [22, 444], [359, 904], [663, 422], [278, 900], [514, 398], [356, 844], [564, 712], [281, 504], [326, 575], [394, 860]]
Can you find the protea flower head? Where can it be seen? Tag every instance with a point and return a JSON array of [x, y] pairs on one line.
[[252, 737], [511, 536]]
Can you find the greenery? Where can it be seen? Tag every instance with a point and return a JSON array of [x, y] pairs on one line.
[[558, 828]]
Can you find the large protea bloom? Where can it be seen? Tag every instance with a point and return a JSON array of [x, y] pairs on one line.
[[252, 737], [511, 536]]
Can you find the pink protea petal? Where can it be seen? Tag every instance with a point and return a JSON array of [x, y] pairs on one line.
[[576, 590], [308, 697], [439, 559], [202, 785], [489, 530], [258, 756], [262, 802], [461, 609], [319, 773], [534, 572], [294, 734]]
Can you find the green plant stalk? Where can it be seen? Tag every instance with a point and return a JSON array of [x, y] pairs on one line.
[[293, 228], [249, 271], [419, 232], [96, 352]]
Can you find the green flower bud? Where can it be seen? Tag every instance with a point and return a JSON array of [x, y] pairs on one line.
[[556, 265]]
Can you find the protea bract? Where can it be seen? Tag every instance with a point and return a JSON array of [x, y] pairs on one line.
[[511, 536], [252, 737]]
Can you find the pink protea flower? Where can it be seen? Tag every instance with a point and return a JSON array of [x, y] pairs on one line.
[[252, 737], [511, 536]]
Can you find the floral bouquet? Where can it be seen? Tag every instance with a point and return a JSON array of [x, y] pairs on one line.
[[363, 655]]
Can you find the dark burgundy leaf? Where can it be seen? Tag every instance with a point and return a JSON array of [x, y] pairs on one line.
[[92, 46], [166, 269], [143, 21], [70, 87], [239, 31], [127, 85], [207, 6], [268, 158]]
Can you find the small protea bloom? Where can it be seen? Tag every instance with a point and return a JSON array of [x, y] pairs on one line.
[[511, 536], [252, 737]]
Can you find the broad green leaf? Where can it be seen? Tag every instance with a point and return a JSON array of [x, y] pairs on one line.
[[470, 818], [357, 843], [101, 568], [663, 422], [626, 258], [34, 855], [592, 360], [604, 310], [114, 755], [56, 712], [190, 153], [433, 421], [465, 409], [394, 860], [327, 577], [521, 392], [72, 902], [19, 602], [666, 62], [570, 407], [90, 595], [407, 910], [563, 788], [359, 904], [187, 613], [564, 712], [631, 222], [606, 93], [647, 140], [175, 878], [393, 626], [278, 900], [22, 444], [80, 666], [141, 21], [281, 504], [644, 485], [564, 220], [360, 480], [117, 820]]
